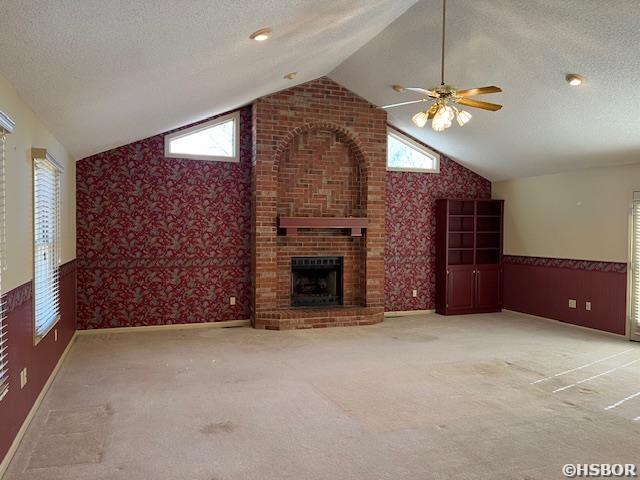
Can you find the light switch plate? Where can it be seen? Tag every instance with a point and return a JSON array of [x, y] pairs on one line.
[[587, 306], [415, 293], [232, 300], [572, 303]]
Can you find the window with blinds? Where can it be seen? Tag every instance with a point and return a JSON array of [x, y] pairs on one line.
[[6, 127], [46, 247], [635, 267], [4, 354]]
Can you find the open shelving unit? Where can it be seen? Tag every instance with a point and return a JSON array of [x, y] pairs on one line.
[[468, 255]]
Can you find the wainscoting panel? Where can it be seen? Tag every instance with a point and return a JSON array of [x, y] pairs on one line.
[[543, 287], [40, 360]]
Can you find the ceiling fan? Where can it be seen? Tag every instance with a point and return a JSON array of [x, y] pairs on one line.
[[445, 98]]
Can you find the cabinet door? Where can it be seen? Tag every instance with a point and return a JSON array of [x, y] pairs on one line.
[[488, 291], [460, 282]]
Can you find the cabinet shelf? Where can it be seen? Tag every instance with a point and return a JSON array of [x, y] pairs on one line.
[[468, 256]]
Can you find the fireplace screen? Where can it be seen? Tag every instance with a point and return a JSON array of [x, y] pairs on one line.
[[316, 281]]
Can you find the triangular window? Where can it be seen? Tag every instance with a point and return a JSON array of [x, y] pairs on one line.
[[216, 140], [406, 155]]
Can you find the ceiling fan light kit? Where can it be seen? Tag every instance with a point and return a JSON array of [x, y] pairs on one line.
[[443, 111]]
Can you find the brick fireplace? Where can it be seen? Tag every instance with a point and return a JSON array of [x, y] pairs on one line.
[[319, 159]]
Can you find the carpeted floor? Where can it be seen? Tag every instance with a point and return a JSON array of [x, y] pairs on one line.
[[423, 397]]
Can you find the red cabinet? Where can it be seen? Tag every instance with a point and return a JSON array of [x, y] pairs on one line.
[[460, 287], [468, 256]]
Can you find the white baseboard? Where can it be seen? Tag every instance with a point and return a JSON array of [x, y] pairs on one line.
[[25, 425], [177, 326], [404, 313], [588, 329]]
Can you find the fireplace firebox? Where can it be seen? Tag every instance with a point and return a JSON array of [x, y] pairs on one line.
[[316, 281]]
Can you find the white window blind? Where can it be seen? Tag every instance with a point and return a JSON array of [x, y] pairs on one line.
[[635, 266], [46, 249], [4, 364]]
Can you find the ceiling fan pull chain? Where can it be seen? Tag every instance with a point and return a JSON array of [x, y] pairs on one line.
[[444, 13]]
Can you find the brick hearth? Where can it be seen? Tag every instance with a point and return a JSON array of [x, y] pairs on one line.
[[319, 151]]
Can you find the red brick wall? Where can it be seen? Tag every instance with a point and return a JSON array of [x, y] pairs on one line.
[[319, 176], [319, 150]]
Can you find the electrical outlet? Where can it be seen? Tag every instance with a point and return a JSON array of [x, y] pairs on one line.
[[232, 300], [572, 303], [415, 293], [587, 306]]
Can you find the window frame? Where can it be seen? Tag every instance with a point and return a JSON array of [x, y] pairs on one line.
[[233, 116], [634, 258], [405, 139], [41, 154], [7, 127]]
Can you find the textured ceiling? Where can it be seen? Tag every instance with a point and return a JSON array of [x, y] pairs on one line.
[[526, 47], [104, 73]]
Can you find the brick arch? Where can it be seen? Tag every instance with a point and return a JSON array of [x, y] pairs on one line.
[[337, 192], [340, 132]]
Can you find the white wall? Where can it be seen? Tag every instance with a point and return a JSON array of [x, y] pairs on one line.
[[579, 215], [30, 132]]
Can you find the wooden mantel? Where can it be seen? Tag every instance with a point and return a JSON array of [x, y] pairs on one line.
[[292, 224]]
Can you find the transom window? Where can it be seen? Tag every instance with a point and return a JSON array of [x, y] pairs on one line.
[[407, 155], [46, 241], [216, 140]]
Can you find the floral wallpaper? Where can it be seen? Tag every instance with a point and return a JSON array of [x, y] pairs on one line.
[[590, 265], [163, 240], [411, 226]]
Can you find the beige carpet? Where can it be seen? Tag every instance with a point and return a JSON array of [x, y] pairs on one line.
[[423, 397]]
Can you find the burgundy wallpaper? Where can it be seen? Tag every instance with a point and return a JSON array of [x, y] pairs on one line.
[[163, 240], [590, 265], [410, 229]]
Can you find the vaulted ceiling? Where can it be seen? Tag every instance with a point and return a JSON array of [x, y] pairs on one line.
[[526, 47], [102, 74]]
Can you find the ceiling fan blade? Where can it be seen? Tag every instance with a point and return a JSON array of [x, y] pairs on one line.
[[404, 103], [424, 91], [469, 102], [478, 91]]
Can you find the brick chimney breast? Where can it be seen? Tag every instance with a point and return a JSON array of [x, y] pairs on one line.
[[319, 151]]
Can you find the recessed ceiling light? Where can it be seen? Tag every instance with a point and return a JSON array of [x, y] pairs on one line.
[[575, 80], [291, 76], [261, 35]]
